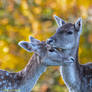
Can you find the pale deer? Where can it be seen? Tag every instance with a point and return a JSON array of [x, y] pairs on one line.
[[24, 81], [77, 77]]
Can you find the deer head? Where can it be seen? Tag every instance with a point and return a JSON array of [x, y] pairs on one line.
[[48, 56], [67, 34]]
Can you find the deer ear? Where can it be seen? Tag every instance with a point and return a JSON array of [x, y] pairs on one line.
[[59, 21], [78, 25], [33, 40], [25, 45]]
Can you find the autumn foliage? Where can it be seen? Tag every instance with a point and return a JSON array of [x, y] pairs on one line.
[[21, 18]]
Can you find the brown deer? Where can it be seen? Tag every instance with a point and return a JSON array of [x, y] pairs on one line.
[[24, 81], [77, 77]]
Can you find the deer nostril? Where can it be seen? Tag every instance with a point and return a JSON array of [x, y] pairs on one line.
[[49, 41]]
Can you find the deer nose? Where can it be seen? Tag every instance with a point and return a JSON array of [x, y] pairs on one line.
[[49, 41]]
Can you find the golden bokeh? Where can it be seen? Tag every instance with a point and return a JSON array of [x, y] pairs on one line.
[[21, 18]]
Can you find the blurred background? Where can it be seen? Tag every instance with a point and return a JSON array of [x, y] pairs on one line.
[[21, 18]]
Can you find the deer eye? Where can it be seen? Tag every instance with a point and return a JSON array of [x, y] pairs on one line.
[[70, 32]]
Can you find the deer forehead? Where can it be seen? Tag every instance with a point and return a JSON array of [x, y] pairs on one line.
[[67, 27]]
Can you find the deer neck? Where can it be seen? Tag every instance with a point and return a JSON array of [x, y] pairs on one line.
[[31, 73], [71, 72]]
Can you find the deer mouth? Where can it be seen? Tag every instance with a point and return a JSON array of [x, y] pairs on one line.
[[51, 49], [55, 49], [58, 49]]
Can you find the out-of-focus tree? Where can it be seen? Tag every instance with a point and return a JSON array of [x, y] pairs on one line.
[[21, 18]]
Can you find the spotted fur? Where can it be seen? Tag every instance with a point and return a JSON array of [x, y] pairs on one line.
[[24, 81]]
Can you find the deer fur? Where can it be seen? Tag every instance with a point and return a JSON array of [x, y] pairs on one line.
[[24, 81], [77, 77]]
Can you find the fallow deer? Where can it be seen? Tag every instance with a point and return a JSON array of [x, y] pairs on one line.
[[77, 77], [24, 81]]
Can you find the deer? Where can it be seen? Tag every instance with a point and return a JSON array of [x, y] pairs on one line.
[[25, 80], [77, 77]]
